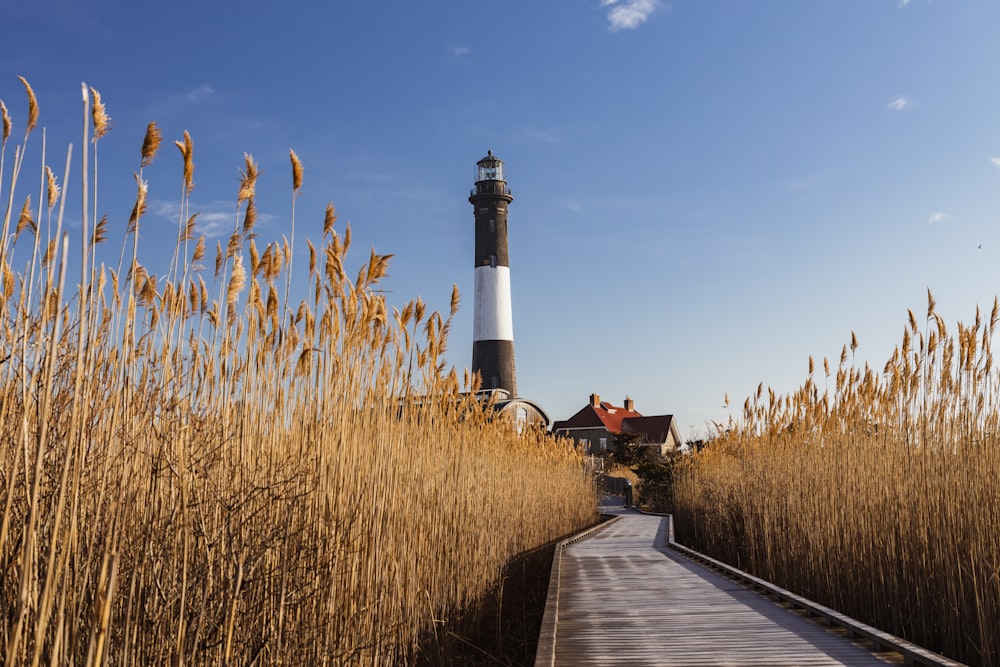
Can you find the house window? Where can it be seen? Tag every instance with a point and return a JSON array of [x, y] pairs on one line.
[[585, 444], [521, 420], [493, 225], [493, 261], [604, 444]]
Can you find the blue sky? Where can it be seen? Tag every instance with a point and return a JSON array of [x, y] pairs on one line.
[[706, 191]]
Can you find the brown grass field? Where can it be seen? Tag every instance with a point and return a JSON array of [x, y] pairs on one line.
[[199, 467], [872, 491]]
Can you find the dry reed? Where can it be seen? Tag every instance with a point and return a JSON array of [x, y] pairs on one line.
[[877, 496], [238, 479]]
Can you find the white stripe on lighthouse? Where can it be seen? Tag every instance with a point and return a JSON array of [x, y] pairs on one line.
[[493, 319]]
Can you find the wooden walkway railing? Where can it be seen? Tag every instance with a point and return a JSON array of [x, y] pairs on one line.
[[619, 596]]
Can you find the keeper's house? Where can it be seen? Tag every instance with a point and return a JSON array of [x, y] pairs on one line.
[[595, 425]]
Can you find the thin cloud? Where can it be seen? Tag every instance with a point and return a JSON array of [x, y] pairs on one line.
[[216, 219], [459, 51], [629, 14], [199, 93], [995, 161], [939, 216], [212, 221], [900, 103], [903, 3], [182, 100]]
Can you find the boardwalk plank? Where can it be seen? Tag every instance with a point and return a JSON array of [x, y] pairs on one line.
[[624, 599]]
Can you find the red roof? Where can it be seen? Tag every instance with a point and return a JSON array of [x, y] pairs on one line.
[[616, 419], [605, 414]]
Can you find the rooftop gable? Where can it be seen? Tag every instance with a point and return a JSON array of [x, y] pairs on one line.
[[604, 414], [653, 429]]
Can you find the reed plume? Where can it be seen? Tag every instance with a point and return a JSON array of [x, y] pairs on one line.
[[99, 115], [7, 125], [296, 172], [52, 188], [151, 143], [24, 219], [186, 148], [32, 108]]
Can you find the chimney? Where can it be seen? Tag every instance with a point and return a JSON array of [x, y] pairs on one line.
[[595, 401], [629, 404]]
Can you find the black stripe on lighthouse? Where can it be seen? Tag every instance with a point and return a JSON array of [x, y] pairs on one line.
[[493, 327]]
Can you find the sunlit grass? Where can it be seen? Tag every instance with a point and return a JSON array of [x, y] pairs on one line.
[[197, 468], [872, 491]]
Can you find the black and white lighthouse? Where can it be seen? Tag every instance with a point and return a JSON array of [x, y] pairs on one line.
[[493, 328]]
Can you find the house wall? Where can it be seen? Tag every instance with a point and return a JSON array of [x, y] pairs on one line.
[[673, 442], [592, 435], [664, 448], [660, 448]]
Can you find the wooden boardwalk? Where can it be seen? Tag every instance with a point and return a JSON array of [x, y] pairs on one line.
[[625, 599]]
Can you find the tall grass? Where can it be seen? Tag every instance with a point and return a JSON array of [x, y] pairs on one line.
[[197, 469], [871, 491]]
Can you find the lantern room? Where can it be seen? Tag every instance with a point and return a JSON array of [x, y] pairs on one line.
[[490, 168]]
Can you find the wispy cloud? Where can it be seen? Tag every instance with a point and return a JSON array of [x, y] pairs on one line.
[[215, 219], [199, 93], [900, 103], [939, 216], [459, 51], [903, 3], [629, 14], [181, 100], [995, 161]]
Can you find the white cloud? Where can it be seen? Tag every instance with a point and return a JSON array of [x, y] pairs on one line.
[[459, 51], [201, 92], [995, 161], [216, 219], [903, 3], [900, 103], [628, 14], [939, 216], [181, 100]]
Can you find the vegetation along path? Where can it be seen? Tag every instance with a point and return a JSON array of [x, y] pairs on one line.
[[624, 598]]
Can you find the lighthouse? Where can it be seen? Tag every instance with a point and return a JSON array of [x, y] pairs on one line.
[[493, 325]]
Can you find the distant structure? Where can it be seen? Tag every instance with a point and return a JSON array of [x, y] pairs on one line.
[[594, 426], [493, 320], [493, 328]]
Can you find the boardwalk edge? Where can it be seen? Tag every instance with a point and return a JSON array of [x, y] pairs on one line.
[[913, 654], [545, 654]]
